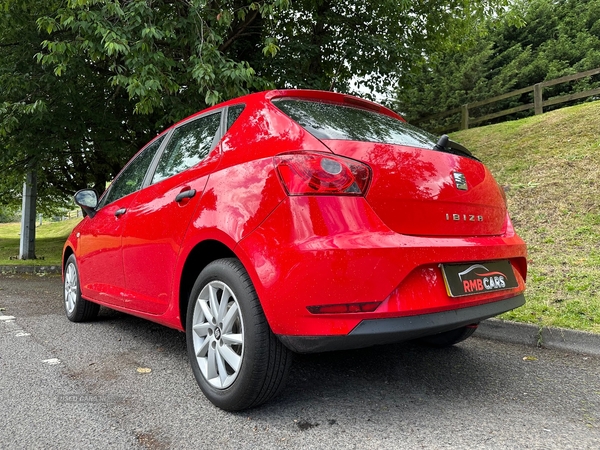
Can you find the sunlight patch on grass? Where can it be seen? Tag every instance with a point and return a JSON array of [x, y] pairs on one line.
[[49, 242]]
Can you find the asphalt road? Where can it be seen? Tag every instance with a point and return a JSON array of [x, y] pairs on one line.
[[65, 385]]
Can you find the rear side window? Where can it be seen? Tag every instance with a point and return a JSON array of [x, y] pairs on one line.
[[233, 112], [332, 121]]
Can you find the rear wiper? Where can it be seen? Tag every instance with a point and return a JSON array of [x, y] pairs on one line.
[[448, 146]]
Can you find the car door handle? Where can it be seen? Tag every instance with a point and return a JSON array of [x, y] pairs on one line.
[[185, 194], [120, 212]]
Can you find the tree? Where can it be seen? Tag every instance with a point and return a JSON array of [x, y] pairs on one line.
[[74, 131], [85, 83], [168, 56], [555, 38], [368, 44]]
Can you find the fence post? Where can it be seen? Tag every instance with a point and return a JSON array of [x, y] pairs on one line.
[[464, 119], [537, 98]]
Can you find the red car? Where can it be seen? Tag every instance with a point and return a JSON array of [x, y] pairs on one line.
[[295, 221]]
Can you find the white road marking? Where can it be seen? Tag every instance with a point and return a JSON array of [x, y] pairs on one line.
[[52, 361]]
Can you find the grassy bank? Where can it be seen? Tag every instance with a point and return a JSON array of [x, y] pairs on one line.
[[50, 238], [549, 166]]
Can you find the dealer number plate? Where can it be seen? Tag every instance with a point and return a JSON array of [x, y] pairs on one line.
[[478, 278]]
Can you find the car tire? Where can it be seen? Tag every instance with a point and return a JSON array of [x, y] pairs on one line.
[[449, 338], [237, 360], [77, 308]]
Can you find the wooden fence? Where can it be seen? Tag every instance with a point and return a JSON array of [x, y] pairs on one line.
[[538, 104]]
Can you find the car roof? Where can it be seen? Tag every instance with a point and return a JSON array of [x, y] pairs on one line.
[[304, 94]]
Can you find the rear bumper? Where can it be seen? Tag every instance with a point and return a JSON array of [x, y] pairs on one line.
[[386, 331], [314, 251]]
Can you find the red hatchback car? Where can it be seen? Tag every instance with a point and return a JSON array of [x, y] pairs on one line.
[[295, 220]]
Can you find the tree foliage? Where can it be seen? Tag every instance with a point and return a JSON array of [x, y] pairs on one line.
[[84, 83], [326, 44], [75, 130], [171, 56], [554, 39]]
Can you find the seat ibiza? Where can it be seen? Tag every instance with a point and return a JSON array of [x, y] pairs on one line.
[[295, 221]]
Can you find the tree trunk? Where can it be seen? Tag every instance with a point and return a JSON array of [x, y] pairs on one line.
[[27, 247]]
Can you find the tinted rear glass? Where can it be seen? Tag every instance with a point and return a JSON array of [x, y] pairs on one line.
[[333, 121], [233, 112]]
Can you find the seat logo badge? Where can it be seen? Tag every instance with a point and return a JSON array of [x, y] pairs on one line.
[[460, 181]]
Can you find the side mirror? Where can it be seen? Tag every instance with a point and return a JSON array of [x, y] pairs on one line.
[[87, 199]]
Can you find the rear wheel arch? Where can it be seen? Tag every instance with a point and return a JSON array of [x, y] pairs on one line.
[[201, 255]]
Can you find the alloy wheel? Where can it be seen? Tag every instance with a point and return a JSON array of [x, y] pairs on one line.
[[218, 334], [71, 287]]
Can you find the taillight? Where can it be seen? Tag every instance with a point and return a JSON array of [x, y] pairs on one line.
[[312, 173]]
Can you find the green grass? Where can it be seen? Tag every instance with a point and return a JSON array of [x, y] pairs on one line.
[[50, 238], [549, 166]]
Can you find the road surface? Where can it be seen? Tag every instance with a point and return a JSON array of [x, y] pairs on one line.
[[88, 386]]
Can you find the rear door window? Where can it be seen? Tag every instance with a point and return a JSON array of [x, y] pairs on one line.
[[189, 144], [334, 121]]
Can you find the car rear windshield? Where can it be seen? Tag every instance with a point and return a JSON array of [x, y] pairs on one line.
[[334, 121]]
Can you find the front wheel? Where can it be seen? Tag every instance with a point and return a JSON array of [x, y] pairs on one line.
[[77, 308], [449, 338], [236, 359]]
